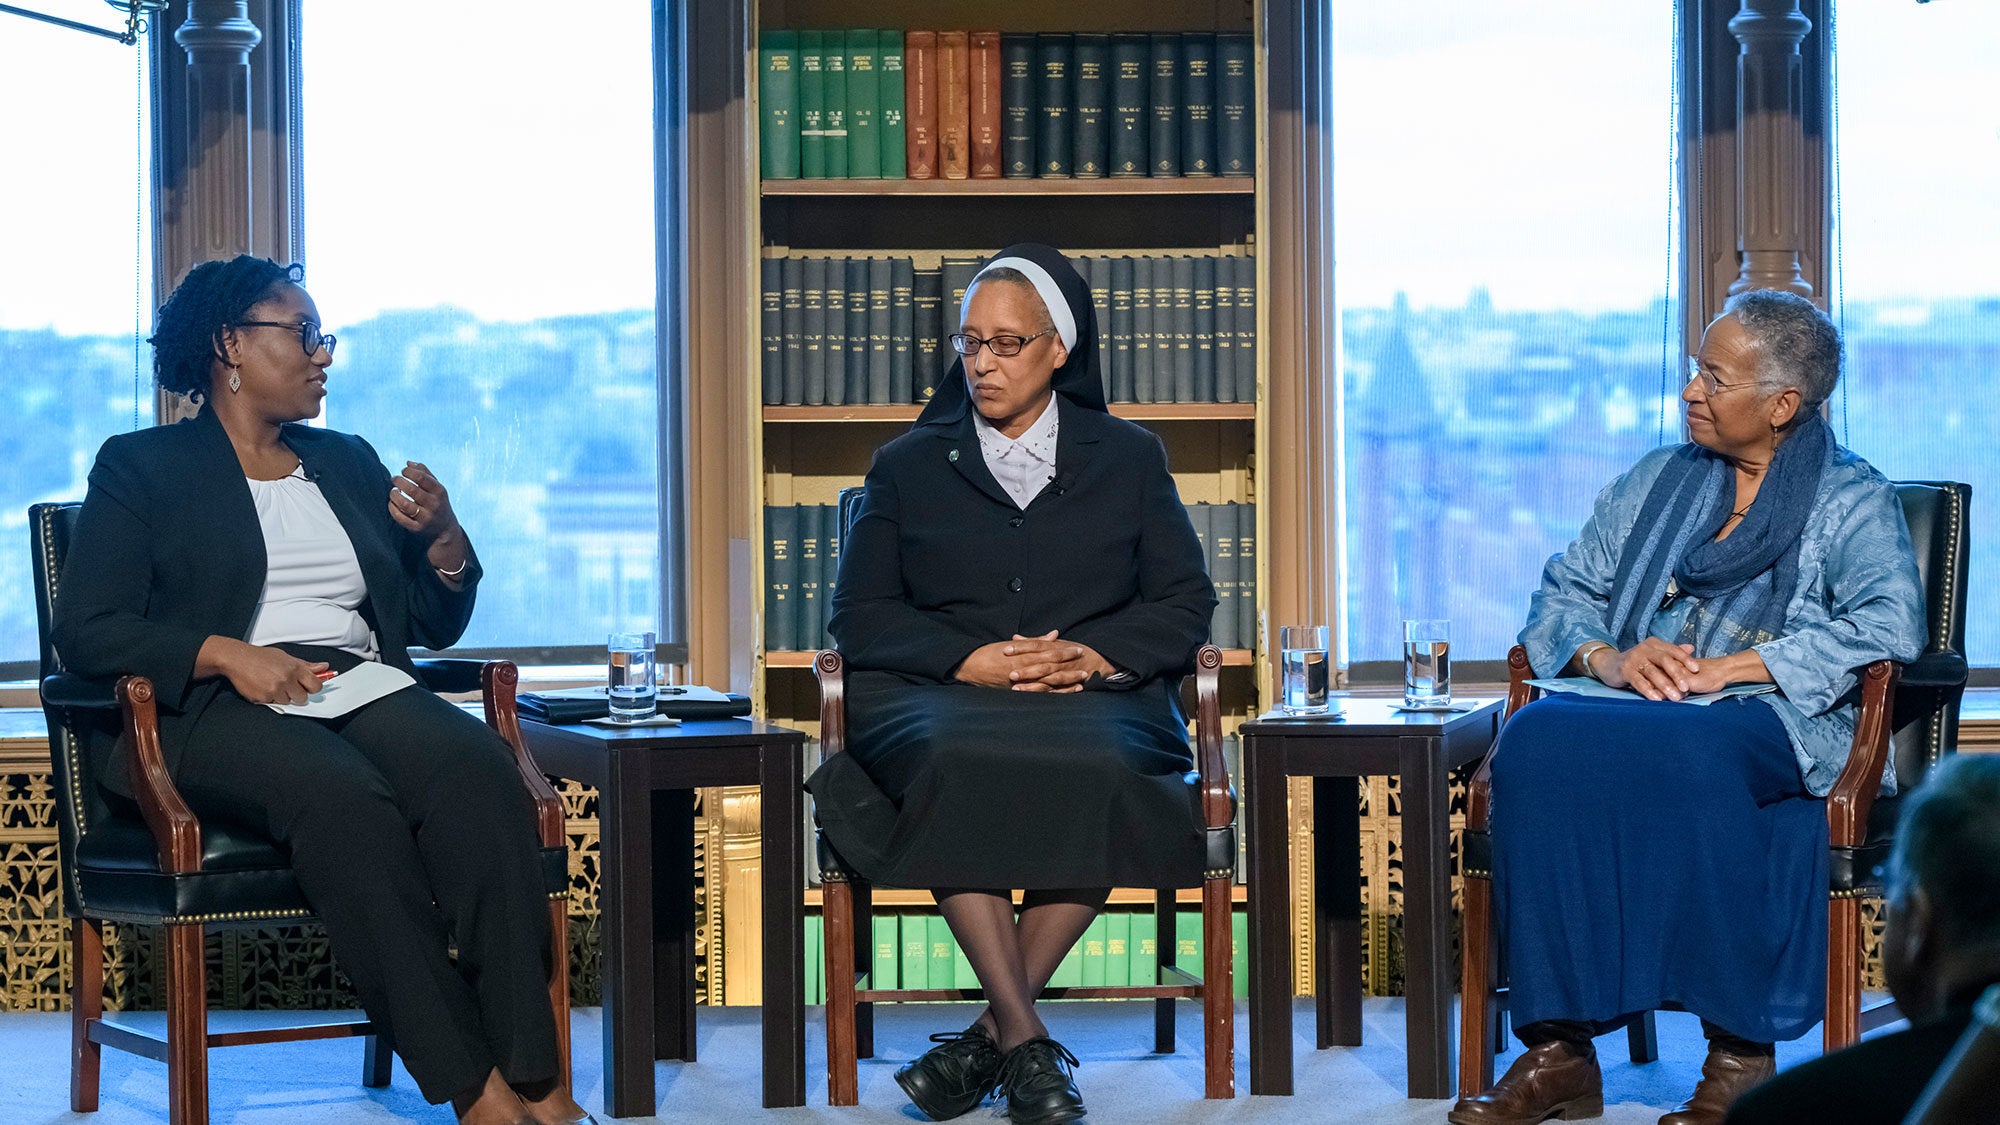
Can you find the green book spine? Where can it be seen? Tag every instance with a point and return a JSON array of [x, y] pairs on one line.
[[1053, 57], [1187, 941], [1143, 367], [1223, 328], [1094, 953], [864, 105], [813, 317], [902, 325], [1017, 105], [1239, 954], [834, 49], [857, 329], [1143, 962], [811, 532], [1244, 522], [927, 332], [771, 306], [781, 577], [889, 58], [815, 982], [812, 105], [1163, 148], [1090, 97], [1246, 329], [1223, 574], [1069, 971], [880, 353], [1181, 269], [913, 931], [1236, 105], [778, 100], [792, 271], [1204, 331], [1117, 949], [1197, 104], [1131, 123], [1121, 329], [829, 571], [941, 973], [835, 384], [887, 960]]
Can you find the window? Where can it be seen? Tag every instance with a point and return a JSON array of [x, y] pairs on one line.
[[1506, 278], [1918, 175], [78, 273], [479, 231]]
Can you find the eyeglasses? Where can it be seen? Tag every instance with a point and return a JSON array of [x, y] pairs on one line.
[[310, 337], [999, 345], [1710, 385]]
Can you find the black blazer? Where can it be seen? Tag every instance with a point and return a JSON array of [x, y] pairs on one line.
[[1874, 1082], [168, 552], [940, 561]]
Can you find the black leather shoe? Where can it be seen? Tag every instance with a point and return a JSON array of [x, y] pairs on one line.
[[1040, 1088], [952, 1077]]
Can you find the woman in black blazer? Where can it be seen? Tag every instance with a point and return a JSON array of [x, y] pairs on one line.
[[1019, 596], [237, 560]]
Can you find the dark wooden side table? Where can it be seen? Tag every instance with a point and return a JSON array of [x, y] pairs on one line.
[[1369, 738], [645, 779]]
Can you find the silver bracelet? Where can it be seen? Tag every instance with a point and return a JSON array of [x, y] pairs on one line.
[[1584, 659], [443, 573]]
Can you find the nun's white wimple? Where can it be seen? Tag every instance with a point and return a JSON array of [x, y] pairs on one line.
[[1059, 313]]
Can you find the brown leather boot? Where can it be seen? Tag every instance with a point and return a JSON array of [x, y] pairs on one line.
[[1549, 1080], [1724, 1077]]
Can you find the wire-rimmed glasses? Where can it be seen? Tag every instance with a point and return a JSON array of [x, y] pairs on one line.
[[968, 346]]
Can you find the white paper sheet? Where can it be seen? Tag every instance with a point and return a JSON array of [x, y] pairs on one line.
[[357, 687]]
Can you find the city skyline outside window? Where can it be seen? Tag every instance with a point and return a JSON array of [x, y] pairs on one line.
[[479, 230], [76, 289], [1509, 304]]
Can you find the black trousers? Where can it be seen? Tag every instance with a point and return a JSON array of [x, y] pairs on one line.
[[409, 831]]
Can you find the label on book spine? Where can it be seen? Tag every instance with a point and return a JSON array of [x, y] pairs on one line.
[[880, 379], [894, 133], [814, 303], [1091, 93], [954, 105], [1017, 105], [864, 106], [1236, 105], [1164, 146], [902, 323], [857, 330], [833, 391], [1052, 129], [812, 105], [778, 104], [1130, 123], [771, 306], [920, 95], [793, 272], [984, 108], [834, 48], [1197, 104]]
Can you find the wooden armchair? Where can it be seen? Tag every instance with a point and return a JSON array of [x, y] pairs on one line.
[[1910, 712], [157, 864]]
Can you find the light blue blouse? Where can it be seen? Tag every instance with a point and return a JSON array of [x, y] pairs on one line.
[[1858, 601]]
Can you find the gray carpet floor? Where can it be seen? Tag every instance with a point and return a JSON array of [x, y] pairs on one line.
[[319, 1083]]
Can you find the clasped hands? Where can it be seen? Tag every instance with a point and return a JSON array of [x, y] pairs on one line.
[[1659, 670], [1044, 663]]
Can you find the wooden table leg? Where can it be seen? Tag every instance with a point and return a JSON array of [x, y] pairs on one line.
[[1269, 931], [781, 776], [1337, 911], [625, 811], [673, 924], [1427, 916]]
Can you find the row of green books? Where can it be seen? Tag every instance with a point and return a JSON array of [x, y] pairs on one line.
[[802, 571], [876, 103], [1120, 948], [872, 330]]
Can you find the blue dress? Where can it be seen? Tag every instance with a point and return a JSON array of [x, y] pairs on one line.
[[1652, 855]]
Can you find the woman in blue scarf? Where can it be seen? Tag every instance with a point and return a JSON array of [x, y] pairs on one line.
[[1652, 854]]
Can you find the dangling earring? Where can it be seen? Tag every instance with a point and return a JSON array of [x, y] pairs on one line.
[[235, 380]]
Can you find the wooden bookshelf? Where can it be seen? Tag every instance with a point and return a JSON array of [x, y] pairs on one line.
[[1101, 186]]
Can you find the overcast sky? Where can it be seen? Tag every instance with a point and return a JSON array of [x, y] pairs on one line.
[[1521, 146]]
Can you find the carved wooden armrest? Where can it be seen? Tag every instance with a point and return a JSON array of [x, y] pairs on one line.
[[176, 831], [831, 672], [1520, 693], [498, 683], [1218, 810], [1853, 794]]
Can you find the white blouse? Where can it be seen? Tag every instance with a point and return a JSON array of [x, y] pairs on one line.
[[1025, 465], [314, 585]]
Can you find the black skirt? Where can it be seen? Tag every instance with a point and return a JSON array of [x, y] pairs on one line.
[[950, 785]]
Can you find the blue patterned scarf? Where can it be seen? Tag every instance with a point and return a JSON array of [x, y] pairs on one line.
[[1743, 582]]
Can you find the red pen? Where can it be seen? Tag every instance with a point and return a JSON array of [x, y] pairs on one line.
[[326, 675]]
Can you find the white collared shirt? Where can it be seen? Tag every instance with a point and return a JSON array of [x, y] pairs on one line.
[[1023, 465]]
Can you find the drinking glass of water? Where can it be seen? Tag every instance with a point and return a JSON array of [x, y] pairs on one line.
[[1305, 666], [1426, 663], [633, 690]]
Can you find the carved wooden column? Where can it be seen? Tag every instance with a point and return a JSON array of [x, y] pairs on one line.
[[1770, 146], [206, 208]]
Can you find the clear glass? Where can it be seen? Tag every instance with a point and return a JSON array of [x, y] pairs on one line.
[[1426, 663], [500, 329], [1507, 280], [1305, 669], [76, 269], [634, 687], [1917, 298]]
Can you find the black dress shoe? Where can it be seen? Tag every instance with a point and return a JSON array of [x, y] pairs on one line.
[[952, 1077], [1040, 1088]]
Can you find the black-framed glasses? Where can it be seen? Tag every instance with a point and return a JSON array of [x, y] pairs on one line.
[[310, 337], [1710, 385], [968, 346]]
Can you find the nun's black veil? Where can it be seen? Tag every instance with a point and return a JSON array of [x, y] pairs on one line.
[[1077, 380]]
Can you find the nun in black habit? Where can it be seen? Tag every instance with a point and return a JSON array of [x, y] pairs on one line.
[[1019, 596]]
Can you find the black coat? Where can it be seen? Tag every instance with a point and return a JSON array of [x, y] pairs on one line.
[[1874, 1082], [939, 560], [168, 552]]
